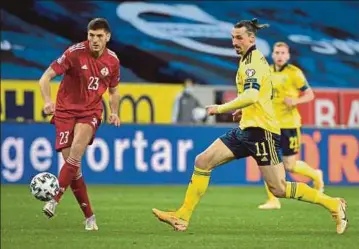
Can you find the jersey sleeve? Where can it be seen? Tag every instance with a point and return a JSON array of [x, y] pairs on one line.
[[63, 63], [300, 81], [115, 77], [253, 74]]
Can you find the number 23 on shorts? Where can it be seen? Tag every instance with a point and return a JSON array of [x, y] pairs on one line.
[[64, 137]]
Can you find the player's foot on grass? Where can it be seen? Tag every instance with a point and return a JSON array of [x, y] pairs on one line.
[[170, 218], [320, 184], [270, 204], [49, 208], [340, 216], [90, 224]]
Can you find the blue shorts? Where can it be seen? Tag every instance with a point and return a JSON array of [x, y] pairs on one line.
[[290, 141], [262, 145]]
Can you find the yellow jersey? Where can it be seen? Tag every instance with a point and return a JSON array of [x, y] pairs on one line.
[[254, 72], [289, 81]]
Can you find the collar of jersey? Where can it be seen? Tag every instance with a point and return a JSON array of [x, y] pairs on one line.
[[249, 51], [280, 69]]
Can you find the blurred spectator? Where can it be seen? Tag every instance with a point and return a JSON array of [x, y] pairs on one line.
[[187, 108]]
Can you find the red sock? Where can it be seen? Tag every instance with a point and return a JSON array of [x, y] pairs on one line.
[[67, 173], [79, 189]]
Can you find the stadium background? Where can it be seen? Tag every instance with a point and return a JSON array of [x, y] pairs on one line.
[[160, 44]]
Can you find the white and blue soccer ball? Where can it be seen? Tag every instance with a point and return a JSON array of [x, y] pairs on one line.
[[44, 186]]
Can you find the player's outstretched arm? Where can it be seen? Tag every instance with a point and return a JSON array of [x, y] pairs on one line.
[[114, 103], [247, 98], [47, 76]]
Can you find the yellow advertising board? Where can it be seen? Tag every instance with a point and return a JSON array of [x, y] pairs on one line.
[[140, 103]]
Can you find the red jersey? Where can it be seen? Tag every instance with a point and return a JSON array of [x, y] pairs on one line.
[[85, 80]]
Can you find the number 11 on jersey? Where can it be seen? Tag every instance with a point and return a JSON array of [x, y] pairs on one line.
[[263, 148]]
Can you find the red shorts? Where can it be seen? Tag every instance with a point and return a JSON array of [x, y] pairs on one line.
[[65, 129]]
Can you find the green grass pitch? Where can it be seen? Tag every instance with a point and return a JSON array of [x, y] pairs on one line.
[[227, 217]]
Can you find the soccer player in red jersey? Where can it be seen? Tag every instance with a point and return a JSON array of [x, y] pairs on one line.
[[89, 68]]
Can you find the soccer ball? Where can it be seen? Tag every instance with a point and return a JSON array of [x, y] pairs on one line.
[[44, 186]]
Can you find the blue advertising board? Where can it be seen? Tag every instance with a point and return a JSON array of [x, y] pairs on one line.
[[164, 154]]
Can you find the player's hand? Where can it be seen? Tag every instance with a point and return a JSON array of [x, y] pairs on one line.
[[212, 109], [237, 115], [49, 108], [290, 102], [114, 119]]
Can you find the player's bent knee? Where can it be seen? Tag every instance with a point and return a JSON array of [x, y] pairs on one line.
[[288, 167], [202, 161], [77, 150], [289, 163]]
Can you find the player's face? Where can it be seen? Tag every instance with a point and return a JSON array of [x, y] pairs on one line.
[[98, 39], [241, 40], [280, 55]]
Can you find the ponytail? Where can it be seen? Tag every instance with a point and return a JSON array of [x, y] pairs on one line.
[[258, 26], [252, 26]]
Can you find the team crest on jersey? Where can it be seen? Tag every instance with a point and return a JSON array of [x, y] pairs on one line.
[[104, 71], [250, 72], [284, 79]]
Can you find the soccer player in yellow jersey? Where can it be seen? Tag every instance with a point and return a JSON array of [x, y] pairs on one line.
[[288, 84], [258, 135]]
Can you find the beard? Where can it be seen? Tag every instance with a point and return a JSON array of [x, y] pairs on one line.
[[238, 50]]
